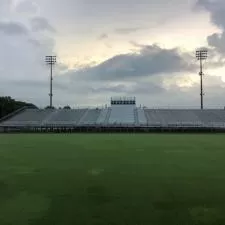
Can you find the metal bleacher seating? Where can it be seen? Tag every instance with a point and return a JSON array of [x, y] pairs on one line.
[[208, 116], [103, 116], [123, 111], [90, 117], [28, 117], [185, 118], [65, 116]]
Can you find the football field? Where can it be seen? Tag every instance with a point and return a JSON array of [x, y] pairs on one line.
[[112, 179]]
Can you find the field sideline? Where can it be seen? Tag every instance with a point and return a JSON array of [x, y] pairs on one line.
[[112, 179]]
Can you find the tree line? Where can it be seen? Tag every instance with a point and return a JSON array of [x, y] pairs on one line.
[[9, 105]]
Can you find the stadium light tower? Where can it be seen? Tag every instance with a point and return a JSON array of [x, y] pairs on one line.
[[201, 55], [50, 60]]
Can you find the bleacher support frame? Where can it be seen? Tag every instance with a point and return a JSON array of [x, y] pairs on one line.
[[108, 129]]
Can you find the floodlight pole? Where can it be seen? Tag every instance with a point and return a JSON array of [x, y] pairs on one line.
[[201, 55], [51, 80], [201, 81], [51, 60]]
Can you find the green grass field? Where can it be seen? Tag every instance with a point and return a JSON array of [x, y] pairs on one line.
[[112, 179]]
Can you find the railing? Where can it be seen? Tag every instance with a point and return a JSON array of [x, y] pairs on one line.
[[83, 116], [136, 119], [108, 116]]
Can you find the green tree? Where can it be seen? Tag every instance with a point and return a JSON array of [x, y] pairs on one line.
[[67, 107]]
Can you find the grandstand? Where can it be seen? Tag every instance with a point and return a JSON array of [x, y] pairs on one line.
[[122, 115]]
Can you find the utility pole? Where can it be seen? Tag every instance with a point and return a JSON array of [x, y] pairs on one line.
[[201, 55], [50, 60]]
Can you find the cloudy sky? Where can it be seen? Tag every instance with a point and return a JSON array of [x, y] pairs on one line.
[[110, 48]]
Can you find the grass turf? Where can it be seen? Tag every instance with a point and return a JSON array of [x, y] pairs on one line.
[[117, 179]]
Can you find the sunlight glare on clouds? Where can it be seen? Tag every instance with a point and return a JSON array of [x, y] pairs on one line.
[[223, 78], [189, 36], [74, 51], [182, 81], [187, 81], [220, 72]]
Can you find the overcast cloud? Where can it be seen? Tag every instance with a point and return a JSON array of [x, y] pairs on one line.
[[12, 28], [217, 15], [106, 48]]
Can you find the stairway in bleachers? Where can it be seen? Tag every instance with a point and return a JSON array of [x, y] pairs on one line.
[[107, 116], [102, 116], [122, 114], [136, 117], [142, 120]]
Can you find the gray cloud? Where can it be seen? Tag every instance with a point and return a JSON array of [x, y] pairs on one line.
[[148, 61], [110, 89], [135, 44], [217, 41], [122, 89], [41, 24], [120, 11], [39, 84], [151, 93], [34, 42], [103, 37], [4, 6], [148, 88], [217, 13], [216, 9], [27, 6], [128, 30], [13, 28], [22, 59]]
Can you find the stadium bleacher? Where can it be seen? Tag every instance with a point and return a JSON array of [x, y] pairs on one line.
[[184, 117], [165, 116], [90, 117], [123, 112], [29, 117], [65, 116]]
